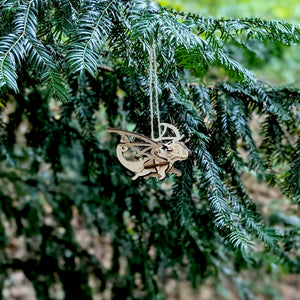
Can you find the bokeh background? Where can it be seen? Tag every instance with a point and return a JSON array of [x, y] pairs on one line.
[[284, 69]]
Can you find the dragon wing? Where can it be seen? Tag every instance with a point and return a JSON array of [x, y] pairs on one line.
[[142, 145], [169, 133]]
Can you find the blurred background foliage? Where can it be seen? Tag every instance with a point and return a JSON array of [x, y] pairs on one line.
[[287, 10], [282, 65]]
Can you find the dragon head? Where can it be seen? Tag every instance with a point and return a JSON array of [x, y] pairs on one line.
[[177, 151]]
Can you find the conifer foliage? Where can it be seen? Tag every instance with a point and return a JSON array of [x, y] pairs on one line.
[[68, 70]]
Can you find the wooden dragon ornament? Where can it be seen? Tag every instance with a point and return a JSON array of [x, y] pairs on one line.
[[151, 157]]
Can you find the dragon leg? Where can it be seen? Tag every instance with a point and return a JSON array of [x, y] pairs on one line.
[[143, 173], [175, 171]]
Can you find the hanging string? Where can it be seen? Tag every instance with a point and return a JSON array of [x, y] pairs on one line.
[[156, 90], [152, 61], [151, 92]]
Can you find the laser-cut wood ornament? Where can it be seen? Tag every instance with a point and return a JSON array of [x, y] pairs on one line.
[[151, 158]]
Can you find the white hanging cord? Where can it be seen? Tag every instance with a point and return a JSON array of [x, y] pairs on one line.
[[151, 93], [156, 90], [152, 61]]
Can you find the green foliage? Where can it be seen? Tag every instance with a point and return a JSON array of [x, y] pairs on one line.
[[94, 57], [275, 62], [236, 9]]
